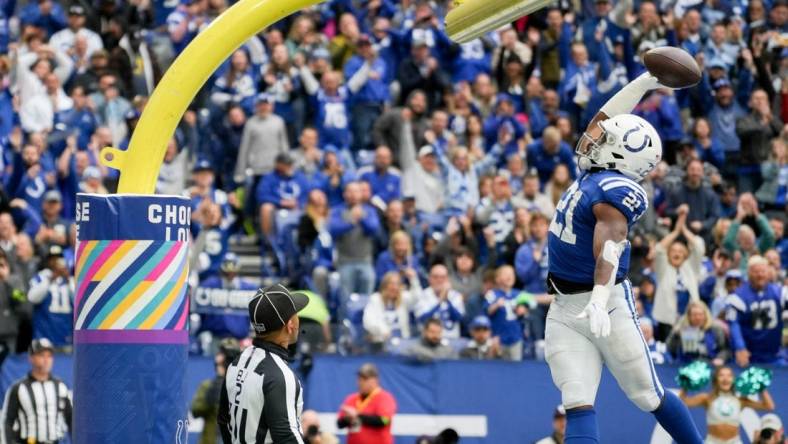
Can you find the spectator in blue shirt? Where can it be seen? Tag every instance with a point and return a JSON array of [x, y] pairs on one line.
[[224, 142], [28, 180], [471, 59], [503, 115], [661, 110], [543, 107], [368, 100], [47, 15], [6, 12], [398, 257], [754, 315], [706, 145], [387, 43], [426, 28], [185, 22], [502, 307], [281, 189], [531, 258], [382, 178], [723, 108], [780, 239], [549, 151], [337, 175], [80, 119], [330, 100], [52, 293], [235, 83]]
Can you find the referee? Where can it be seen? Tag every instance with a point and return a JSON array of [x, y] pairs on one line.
[[261, 399], [37, 408]]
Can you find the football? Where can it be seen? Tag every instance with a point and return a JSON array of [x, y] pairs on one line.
[[673, 67]]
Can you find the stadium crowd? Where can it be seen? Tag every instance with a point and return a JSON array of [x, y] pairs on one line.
[[409, 182]]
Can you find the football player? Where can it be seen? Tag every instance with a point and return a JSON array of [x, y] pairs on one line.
[[593, 319]]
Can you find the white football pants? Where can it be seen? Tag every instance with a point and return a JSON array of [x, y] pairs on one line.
[[575, 356]]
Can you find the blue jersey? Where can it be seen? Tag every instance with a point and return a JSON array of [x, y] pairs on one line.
[[53, 315], [505, 323], [275, 187], [331, 117], [756, 321], [386, 186], [532, 273], [471, 60], [571, 237], [217, 241], [545, 163]]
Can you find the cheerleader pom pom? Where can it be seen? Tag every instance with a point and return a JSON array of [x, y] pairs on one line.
[[753, 380], [694, 376]]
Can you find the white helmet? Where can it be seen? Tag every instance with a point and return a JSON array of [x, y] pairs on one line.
[[626, 143]]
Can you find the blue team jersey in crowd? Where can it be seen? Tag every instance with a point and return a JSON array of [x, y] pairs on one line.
[[53, 316], [532, 273], [385, 185], [756, 320], [331, 117], [505, 323], [571, 237]]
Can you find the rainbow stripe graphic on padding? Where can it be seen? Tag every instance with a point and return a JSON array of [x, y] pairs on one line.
[[131, 285]]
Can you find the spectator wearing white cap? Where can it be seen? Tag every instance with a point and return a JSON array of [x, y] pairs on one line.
[[771, 430], [91, 181]]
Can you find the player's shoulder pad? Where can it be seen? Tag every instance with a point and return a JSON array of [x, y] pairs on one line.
[[622, 192]]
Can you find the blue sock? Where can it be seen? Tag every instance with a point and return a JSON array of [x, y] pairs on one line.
[[674, 417], [581, 427]]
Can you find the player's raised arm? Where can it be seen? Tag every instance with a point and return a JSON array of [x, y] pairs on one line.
[[667, 68]]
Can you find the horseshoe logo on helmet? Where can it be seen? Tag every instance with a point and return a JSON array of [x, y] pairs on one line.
[[635, 149]]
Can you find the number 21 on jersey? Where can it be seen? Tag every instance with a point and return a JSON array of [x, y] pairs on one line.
[[566, 210]]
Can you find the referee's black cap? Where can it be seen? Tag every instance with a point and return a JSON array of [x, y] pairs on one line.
[[271, 307], [39, 345]]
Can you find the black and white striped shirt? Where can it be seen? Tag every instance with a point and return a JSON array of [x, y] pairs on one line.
[[36, 410], [261, 398]]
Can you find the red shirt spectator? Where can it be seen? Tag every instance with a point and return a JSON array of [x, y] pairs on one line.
[[368, 413]]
